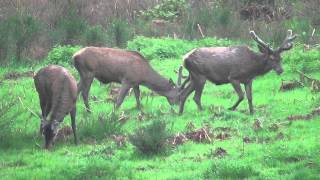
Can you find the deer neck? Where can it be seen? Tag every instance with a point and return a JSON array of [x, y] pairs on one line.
[[157, 83], [262, 65]]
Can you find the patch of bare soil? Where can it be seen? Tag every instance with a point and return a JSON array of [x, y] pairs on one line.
[[313, 113], [202, 135], [17, 75], [120, 140], [220, 152], [290, 85], [64, 133]]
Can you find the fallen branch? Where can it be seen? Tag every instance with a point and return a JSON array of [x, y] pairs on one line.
[[33, 113]]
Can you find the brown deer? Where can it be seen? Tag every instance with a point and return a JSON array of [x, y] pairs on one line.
[[57, 91], [121, 66], [236, 65]]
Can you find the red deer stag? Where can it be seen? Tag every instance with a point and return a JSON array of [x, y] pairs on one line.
[[126, 67], [236, 65], [57, 91]]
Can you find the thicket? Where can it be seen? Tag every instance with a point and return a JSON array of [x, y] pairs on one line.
[[152, 138], [27, 32]]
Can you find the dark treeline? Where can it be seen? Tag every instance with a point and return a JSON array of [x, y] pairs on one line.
[[30, 28]]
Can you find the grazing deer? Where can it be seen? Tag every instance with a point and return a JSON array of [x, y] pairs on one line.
[[57, 91], [126, 67], [236, 65]]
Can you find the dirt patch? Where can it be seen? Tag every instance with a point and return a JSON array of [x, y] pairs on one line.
[[202, 135], [120, 140], [64, 133], [220, 152], [290, 85], [17, 75], [313, 113]]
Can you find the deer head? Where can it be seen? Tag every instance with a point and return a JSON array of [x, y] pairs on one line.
[[50, 130], [273, 57]]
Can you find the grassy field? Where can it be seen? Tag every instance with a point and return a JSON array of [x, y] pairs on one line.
[[278, 149]]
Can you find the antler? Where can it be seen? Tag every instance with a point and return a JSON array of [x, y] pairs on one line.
[[287, 43], [259, 41], [179, 75]]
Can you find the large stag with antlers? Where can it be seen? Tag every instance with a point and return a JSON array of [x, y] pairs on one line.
[[235, 65], [121, 66]]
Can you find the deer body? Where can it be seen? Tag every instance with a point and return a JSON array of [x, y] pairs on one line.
[[126, 67], [57, 90], [235, 65]]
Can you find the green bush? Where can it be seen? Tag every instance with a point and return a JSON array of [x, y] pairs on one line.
[[17, 32], [119, 32], [95, 36], [7, 118], [105, 126], [152, 138], [305, 61], [167, 10], [166, 48], [228, 169], [62, 54]]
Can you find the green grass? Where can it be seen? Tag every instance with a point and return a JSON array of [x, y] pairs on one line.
[[294, 156]]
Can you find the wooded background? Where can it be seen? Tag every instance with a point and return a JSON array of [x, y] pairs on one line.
[[30, 28]]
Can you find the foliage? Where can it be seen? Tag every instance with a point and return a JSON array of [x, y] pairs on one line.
[[7, 117], [166, 10], [104, 126], [231, 170], [166, 48], [95, 36], [62, 54], [307, 61], [18, 31], [151, 139], [70, 28], [119, 32]]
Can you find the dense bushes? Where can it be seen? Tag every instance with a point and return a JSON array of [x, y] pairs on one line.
[[7, 118], [103, 126], [62, 54], [306, 61], [164, 48], [152, 138]]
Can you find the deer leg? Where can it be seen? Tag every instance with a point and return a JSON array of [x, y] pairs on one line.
[[125, 87], [184, 95], [43, 104], [237, 87], [86, 84], [73, 124], [79, 86], [198, 92], [248, 88], [137, 95]]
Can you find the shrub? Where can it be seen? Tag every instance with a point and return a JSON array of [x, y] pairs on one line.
[[230, 169], [301, 60], [62, 54], [104, 126], [167, 10], [70, 28], [7, 119], [166, 48], [95, 36], [17, 32], [119, 32], [151, 139]]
